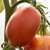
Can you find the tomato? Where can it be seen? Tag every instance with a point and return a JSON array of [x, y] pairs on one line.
[[23, 24], [39, 43]]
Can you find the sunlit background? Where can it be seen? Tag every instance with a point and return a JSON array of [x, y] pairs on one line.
[[2, 19]]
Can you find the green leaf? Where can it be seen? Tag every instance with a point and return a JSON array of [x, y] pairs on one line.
[[1, 6]]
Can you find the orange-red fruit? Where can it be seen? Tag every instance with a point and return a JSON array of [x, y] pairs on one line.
[[23, 24], [39, 43]]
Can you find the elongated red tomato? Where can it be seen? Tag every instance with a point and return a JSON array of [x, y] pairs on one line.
[[39, 43], [23, 24]]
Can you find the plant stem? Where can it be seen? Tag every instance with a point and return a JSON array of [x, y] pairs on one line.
[[7, 15], [33, 3], [13, 2], [18, 3]]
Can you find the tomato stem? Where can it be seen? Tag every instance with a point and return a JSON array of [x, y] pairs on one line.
[[7, 7], [8, 13], [33, 3], [18, 3]]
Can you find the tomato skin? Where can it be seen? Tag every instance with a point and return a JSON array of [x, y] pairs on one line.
[[39, 43], [22, 25]]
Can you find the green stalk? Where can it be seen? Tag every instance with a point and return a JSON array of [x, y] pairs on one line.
[[33, 3], [8, 13], [18, 3]]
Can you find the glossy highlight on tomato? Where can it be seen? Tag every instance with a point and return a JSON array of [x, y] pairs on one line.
[[23, 24]]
